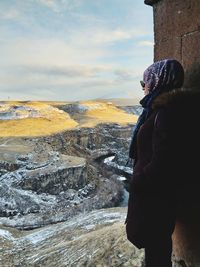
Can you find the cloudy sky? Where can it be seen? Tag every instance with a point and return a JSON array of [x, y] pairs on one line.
[[74, 49]]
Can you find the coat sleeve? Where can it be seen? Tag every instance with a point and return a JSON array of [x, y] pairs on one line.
[[156, 175]]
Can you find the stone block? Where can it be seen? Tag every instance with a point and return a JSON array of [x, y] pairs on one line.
[[175, 18], [170, 48], [191, 59]]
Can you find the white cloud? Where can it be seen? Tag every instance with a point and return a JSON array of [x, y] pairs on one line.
[[68, 71], [63, 83], [58, 6], [145, 43], [98, 36], [50, 4], [106, 36], [125, 75], [47, 52], [11, 14]]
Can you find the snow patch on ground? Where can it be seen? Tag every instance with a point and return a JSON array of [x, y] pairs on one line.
[[109, 159], [121, 178], [6, 234]]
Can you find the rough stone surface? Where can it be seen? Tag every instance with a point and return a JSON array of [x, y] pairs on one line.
[[170, 46], [191, 59], [177, 35], [176, 18]]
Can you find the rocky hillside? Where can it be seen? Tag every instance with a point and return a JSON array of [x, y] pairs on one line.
[[94, 239], [55, 179], [28, 118], [50, 178], [97, 238], [44, 181], [62, 185]]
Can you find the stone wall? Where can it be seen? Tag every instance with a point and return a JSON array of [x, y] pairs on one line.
[[177, 35]]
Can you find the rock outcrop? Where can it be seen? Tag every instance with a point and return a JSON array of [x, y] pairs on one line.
[[47, 187]]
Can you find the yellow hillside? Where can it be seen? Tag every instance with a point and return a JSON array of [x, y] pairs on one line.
[[99, 112], [41, 119], [35, 119]]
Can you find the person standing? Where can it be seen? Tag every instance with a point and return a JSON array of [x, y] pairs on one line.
[[155, 151]]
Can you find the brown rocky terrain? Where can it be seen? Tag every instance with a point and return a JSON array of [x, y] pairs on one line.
[[54, 186], [50, 178], [92, 239], [61, 192], [40, 184]]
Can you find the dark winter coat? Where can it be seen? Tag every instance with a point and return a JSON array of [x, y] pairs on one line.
[[165, 179]]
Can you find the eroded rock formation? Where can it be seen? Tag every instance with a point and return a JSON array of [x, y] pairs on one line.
[[49, 179], [55, 181]]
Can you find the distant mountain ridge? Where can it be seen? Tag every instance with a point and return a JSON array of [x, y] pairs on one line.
[[31, 118], [121, 101]]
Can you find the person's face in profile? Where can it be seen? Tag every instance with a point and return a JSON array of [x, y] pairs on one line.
[[145, 88]]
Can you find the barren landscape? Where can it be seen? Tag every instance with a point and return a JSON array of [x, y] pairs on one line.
[[62, 181], [64, 184]]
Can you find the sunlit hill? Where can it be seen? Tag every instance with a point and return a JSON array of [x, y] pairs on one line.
[[28, 118]]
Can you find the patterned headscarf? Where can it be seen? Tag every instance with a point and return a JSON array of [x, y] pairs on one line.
[[162, 76]]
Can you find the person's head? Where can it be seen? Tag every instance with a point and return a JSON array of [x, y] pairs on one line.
[[163, 76]]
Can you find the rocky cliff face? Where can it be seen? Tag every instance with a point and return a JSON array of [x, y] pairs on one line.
[[50, 179], [55, 181]]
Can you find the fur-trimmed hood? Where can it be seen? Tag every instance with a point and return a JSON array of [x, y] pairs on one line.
[[184, 98]]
